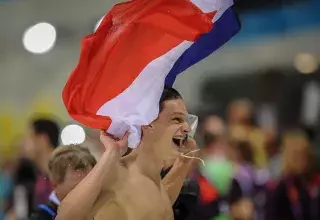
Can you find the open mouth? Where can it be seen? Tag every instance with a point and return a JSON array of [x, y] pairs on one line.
[[180, 142]]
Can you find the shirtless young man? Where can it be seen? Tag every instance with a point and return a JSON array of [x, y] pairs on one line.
[[131, 188]]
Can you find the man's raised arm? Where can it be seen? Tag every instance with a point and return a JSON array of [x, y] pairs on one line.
[[79, 202]]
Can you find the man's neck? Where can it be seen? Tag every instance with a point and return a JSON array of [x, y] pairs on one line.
[[148, 162]]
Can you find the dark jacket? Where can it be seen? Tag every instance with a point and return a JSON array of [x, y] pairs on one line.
[[46, 211], [218, 205], [25, 175], [295, 199], [189, 205], [187, 199]]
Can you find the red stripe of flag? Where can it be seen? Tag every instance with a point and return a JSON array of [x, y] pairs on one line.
[[131, 35]]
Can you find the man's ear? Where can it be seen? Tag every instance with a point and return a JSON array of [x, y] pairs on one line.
[[147, 127], [146, 130]]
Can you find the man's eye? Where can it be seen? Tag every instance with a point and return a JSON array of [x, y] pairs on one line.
[[178, 120]]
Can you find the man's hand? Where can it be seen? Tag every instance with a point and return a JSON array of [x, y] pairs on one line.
[[189, 151], [112, 143]]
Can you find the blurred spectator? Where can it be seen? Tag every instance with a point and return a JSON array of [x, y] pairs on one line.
[[243, 210], [42, 139], [246, 172], [218, 191], [252, 180], [32, 184], [241, 126], [5, 188], [214, 125], [214, 134], [274, 157], [297, 194], [68, 165], [25, 174]]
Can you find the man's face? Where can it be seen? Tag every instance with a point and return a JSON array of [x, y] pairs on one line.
[[240, 112], [214, 126], [71, 180], [29, 148], [296, 151], [172, 128]]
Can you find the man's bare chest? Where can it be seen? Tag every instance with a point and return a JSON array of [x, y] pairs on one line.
[[138, 199]]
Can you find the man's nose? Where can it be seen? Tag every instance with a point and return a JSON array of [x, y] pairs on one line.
[[186, 128]]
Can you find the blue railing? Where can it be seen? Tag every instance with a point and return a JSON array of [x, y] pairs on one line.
[[278, 21]]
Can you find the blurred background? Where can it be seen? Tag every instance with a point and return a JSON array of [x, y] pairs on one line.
[[267, 77]]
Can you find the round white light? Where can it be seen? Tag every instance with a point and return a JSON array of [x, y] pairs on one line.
[[39, 38], [305, 63], [73, 134], [98, 24]]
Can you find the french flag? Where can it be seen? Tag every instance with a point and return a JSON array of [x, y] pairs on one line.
[[140, 46]]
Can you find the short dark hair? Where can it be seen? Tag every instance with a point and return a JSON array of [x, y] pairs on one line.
[[244, 149], [168, 94], [47, 127]]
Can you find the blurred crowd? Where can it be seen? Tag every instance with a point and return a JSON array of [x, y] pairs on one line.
[[249, 173], [255, 173]]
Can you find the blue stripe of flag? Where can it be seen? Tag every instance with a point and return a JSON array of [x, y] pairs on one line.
[[224, 29]]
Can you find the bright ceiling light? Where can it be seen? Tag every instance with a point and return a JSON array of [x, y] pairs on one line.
[[305, 63], [98, 24], [39, 38], [73, 134]]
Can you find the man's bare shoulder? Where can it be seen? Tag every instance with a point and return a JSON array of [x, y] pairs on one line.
[[106, 208], [136, 198], [107, 194]]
